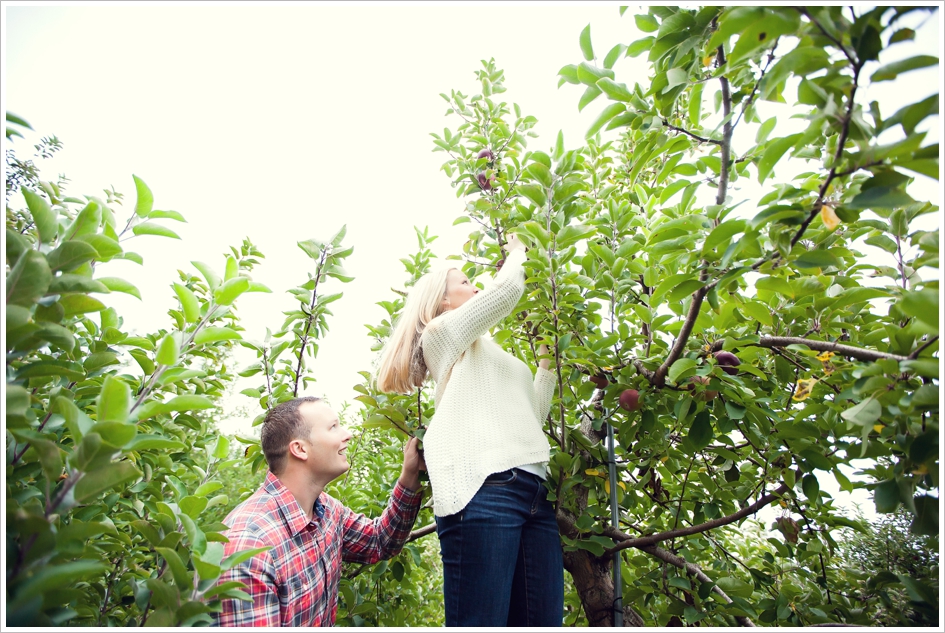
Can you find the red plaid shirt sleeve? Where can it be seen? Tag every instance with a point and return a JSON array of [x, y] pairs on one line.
[[371, 540]]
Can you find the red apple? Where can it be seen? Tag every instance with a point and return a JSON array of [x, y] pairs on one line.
[[486, 153], [630, 399], [485, 183], [600, 381], [728, 361]]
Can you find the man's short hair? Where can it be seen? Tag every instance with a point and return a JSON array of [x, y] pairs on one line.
[[283, 424]]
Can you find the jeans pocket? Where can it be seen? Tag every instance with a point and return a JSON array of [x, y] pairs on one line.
[[503, 478]]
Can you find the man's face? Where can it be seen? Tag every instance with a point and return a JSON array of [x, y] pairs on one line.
[[328, 441]]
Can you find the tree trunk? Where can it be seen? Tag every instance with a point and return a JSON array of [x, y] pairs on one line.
[[594, 582], [593, 576]]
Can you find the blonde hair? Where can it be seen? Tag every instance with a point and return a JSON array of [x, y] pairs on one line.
[[402, 367]]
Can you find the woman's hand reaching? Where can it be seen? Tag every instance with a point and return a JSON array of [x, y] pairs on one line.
[[514, 244]]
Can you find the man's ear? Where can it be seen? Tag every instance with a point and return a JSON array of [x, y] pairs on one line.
[[298, 450]]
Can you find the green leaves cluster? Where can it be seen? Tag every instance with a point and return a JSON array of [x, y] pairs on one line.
[[111, 448]]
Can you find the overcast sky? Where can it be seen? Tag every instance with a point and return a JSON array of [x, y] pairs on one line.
[[283, 122]]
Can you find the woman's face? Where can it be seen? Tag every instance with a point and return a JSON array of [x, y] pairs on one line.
[[458, 290]]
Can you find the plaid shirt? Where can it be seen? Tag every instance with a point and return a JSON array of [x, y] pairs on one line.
[[296, 582]]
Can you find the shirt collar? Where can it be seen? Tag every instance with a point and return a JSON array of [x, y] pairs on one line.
[[292, 513]]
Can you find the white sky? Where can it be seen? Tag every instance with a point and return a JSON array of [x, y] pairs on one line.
[[283, 121]]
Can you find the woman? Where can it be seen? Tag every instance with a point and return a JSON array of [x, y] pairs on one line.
[[485, 451]]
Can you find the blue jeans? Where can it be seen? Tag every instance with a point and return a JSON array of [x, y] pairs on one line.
[[502, 561]]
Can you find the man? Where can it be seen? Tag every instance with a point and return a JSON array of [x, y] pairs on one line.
[[295, 583]]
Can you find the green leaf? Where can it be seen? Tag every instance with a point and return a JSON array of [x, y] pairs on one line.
[[609, 112], [44, 217], [66, 369], [865, 413], [147, 441], [150, 228], [886, 496], [585, 41], [169, 215], [145, 199], [926, 516], [51, 578], [775, 284], [188, 403], [646, 23], [168, 351], [106, 247], [675, 77], [179, 572], [213, 280], [71, 254], [773, 153], [222, 447], [893, 70], [880, 198], [18, 401], [614, 55], [116, 434], [116, 284], [232, 269], [811, 486], [192, 505], [922, 305], [735, 587], [700, 433], [757, 311], [103, 478], [114, 401], [641, 45], [817, 258], [207, 488], [29, 279], [214, 334], [188, 302], [67, 282], [233, 560], [589, 95], [682, 368], [86, 222], [227, 293], [198, 540], [613, 90], [80, 304], [49, 453], [534, 193]]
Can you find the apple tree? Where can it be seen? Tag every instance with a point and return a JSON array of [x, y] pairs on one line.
[[744, 331]]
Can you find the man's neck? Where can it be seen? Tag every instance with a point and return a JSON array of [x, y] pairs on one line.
[[305, 491]]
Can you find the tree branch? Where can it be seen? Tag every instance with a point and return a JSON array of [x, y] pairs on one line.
[[645, 541], [918, 351], [688, 133], [844, 132], [421, 532], [822, 346]]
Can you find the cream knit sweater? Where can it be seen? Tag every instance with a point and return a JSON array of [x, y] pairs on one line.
[[489, 408]]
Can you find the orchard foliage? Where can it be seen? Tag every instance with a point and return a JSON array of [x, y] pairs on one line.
[[114, 465], [650, 253]]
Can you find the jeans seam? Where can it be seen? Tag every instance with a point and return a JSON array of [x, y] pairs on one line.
[[528, 619]]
